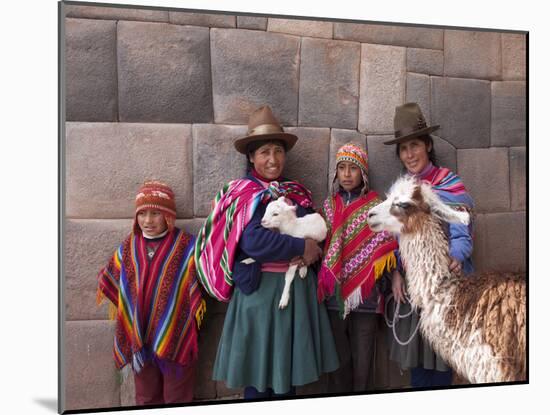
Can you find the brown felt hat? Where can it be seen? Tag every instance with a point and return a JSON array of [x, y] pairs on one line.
[[409, 123], [262, 125]]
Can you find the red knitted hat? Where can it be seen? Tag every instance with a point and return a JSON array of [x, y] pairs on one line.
[[156, 195]]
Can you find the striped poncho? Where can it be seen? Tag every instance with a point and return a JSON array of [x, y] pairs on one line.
[[158, 303], [218, 239], [355, 256]]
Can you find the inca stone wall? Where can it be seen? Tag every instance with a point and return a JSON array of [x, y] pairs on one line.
[[163, 94]]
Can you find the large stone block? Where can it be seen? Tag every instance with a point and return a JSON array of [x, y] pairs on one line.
[[428, 61], [128, 391], [500, 242], [91, 378], [382, 87], [470, 54], [508, 113], [164, 73], [90, 70], [203, 19], [108, 162], [514, 56], [518, 178], [329, 83], [414, 37], [252, 22], [463, 109], [308, 161], [215, 162], [210, 334], [244, 78], [418, 90], [337, 139], [89, 245], [311, 28], [384, 165], [191, 226], [115, 13], [485, 174]]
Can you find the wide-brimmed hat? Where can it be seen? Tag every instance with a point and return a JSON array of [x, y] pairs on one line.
[[262, 125], [409, 122]]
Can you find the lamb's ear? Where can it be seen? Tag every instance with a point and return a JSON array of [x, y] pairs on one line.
[[293, 207], [441, 210]]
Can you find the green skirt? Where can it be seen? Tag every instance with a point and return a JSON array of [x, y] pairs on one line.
[[418, 352], [265, 347]]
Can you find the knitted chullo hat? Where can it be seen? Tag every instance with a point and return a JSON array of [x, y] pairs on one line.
[[356, 155], [156, 195]]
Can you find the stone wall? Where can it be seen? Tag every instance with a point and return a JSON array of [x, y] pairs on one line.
[[163, 94]]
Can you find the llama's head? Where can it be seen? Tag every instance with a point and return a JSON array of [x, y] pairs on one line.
[[409, 203], [278, 211]]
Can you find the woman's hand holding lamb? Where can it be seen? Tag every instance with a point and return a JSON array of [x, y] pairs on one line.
[[312, 252]]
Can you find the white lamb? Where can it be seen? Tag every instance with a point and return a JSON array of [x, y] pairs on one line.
[[280, 215]]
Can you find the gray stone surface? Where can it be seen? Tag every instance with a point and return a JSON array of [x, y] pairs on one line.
[[508, 110], [384, 165], [445, 153], [89, 245], [329, 83], [308, 161], [312, 28], [428, 61], [252, 22], [210, 333], [164, 73], [518, 178], [382, 87], [128, 391], [203, 19], [91, 73], [463, 109], [514, 56], [485, 173], [418, 90], [243, 78], [414, 37], [215, 162], [108, 162], [91, 378], [116, 13], [470, 54], [191, 226], [500, 242], [337, 139]]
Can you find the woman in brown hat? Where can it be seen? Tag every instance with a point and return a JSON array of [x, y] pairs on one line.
[[415, 149], [264, 349]]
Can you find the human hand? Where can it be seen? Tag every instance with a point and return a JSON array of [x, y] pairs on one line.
[[297, 260], [312, 252], [455, 266], [398, 287]]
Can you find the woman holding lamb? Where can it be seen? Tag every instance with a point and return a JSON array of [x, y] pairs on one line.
[[355, 258], [263, 349], [415, 150]]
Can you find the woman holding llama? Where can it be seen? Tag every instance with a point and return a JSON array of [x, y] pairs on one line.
[[264, 349], [355, 257], [415, 149]]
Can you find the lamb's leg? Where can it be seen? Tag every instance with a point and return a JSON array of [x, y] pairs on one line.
[[289, 276], [303, 272]]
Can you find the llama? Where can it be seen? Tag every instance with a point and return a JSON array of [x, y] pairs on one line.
[[280, 215], [475, 323]]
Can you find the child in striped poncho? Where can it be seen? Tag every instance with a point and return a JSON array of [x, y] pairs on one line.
[[155, 300]]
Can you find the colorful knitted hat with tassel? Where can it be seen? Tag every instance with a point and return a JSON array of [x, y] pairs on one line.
[[356, 155], [156, 195]]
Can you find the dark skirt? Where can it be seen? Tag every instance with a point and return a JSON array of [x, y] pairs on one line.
[[418, 352], [265, 347]]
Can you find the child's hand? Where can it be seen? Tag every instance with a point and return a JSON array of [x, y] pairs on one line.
[[398, 287]]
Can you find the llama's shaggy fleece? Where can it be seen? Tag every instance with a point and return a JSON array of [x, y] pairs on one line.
[[475, 323]]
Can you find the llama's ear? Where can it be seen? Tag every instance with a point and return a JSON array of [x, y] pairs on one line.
[[441, 210]]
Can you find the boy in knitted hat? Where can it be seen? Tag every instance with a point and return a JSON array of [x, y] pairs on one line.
[[155, 300], [354, 258]]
